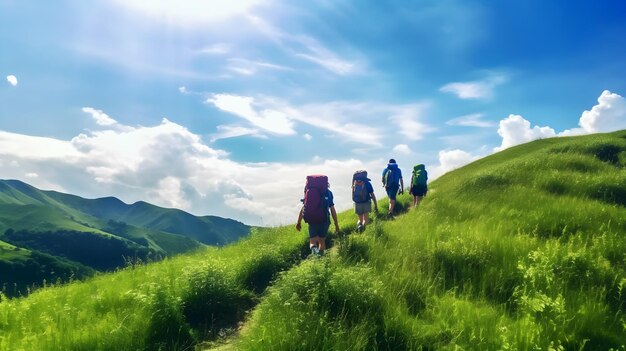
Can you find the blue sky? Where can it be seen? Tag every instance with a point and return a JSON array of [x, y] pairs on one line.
[[223, 109]]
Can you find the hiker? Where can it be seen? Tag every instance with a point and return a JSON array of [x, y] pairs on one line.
[[392, 181], [316, 210], [362, 195], [419, 186]]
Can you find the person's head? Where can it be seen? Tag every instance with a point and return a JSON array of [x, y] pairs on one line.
[[392, 160]]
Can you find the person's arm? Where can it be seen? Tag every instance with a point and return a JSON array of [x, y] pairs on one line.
[[299, 222], [401, 186], [375, 202], [334, 214]]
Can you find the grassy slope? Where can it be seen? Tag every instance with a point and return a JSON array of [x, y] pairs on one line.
[[521, 250], [524, 249]]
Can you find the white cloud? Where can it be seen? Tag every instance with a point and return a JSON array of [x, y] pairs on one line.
[[407, 119], [273, 121], [31, 175], [450, 160], [515, 130], [481, 89], [190, 12], [402, 149], [307, 48], [472, 120], [249, 67], [607, 116], [183, 90], [227, 131], [12, 80], [307, 137], [100, 117], [169, 166], [363, 123], [216, 49]]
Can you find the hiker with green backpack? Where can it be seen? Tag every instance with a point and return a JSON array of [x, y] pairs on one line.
[[362, 195], [392, 181], [419, 187], [317, 208]]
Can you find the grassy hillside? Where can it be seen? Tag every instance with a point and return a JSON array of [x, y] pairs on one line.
[[522, 250], [59, 229]]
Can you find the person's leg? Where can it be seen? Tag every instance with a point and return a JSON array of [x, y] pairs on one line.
[[391, 193], [321, 243], [313, 243], [418, 199], [314, 230]]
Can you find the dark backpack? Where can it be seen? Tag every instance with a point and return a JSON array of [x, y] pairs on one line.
[[359, 188], [359, 191], [419, 176], [315, 207]]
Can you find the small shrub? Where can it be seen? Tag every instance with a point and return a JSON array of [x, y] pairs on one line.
[[214, 300], [167, 328]]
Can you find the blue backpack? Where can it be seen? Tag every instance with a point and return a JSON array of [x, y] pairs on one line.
[[390, 176]]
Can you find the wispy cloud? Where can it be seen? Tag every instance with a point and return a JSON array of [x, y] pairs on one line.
[[250, 67], [322, 56], [233, 131], [481, 89], [472, 120], [190, 12], [269, 120], [402, 149], [359, 122], [308, 48], [407, 119], [100, 117], [216, 49]]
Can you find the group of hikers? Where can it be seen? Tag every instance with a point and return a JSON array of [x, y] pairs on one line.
[[318, 205]]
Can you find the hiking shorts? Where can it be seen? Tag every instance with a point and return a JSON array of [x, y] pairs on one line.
[[362, 207], [419, 190], [392, 191], [320, 230]]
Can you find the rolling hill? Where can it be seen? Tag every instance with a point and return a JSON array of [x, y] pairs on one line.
[[521, 250], [56, 236]]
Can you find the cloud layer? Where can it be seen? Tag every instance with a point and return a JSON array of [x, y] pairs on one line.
[[170, 166]]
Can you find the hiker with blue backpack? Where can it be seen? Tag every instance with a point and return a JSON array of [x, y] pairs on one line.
[[419, 186], [362, 195], [317, 208], [392, 181]]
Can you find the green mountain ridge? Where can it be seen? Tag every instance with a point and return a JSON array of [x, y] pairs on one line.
[[521, 250], [52, 224]]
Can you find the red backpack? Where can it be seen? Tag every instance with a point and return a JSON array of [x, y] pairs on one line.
[[315, 207]]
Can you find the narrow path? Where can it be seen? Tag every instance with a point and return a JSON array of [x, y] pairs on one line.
[[227, 342]]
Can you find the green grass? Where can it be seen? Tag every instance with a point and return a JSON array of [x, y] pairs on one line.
[[521, 250]]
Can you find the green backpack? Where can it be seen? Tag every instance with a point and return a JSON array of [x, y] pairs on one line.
[[419, 176]]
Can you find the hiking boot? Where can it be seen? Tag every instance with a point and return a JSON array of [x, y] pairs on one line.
[[360, 227], [315, 251]]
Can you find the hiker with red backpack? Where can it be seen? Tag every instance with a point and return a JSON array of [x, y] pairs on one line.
[[362, 195], [419, 187], [392, 181], [317, 208]]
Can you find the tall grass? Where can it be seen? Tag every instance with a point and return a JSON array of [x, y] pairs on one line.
[[522, 250]]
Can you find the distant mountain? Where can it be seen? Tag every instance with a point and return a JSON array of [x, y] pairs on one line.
[[51, 235]]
